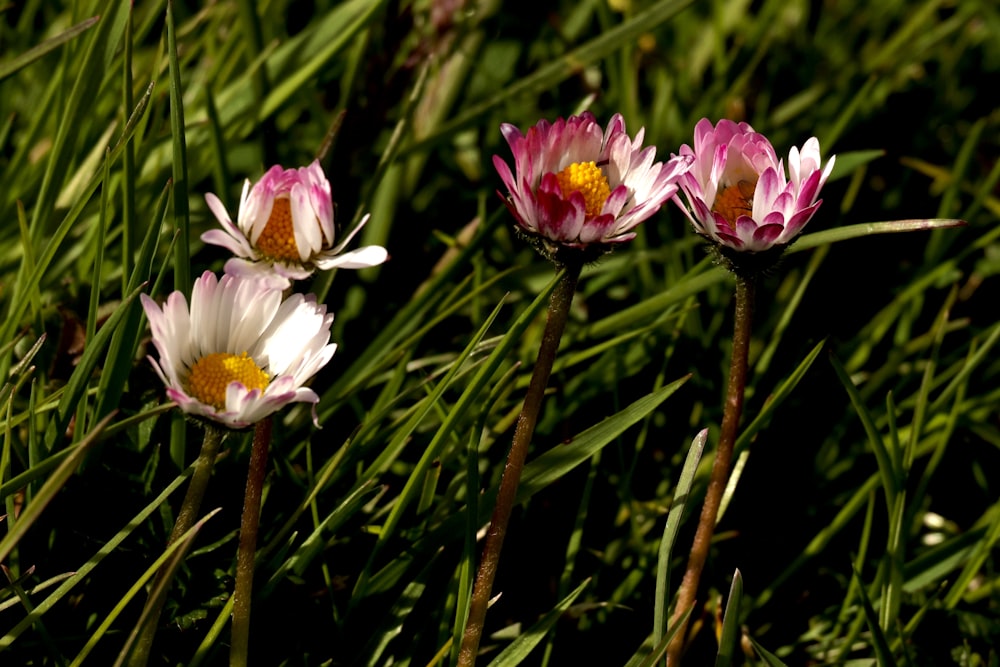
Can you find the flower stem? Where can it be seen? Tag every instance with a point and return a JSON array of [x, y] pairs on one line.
[[559, 304], [745, 285], [145, 633], [239, 649]]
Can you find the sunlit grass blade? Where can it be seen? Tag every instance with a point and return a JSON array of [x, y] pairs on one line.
[[406, 321], [128, 161], [849, 161], [974, 362], [674, 518], [19, 301], [410, 489], [556, 462], [700, 280], [847, 232], [729, 639], [336, 33], [312, 546], [92, 68], [650, 652], [774, 401], [521, 648], [770, 659]]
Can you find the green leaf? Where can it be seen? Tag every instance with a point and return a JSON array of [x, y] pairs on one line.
[[31, 55], [520, 648], [882, 653], [770, 659], [84, 570], [730, 623], [674, 518], [891, 477], [558, 461], [809, 241]]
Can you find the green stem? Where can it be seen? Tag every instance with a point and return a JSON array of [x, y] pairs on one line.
[[745, 285], [558, 313], [239, 650], [145, 632]]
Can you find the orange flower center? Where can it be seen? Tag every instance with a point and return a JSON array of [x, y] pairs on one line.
[[587, 179], [211, 374], [277, 241], [732, 201]]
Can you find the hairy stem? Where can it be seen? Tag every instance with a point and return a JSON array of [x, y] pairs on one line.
[[558, 313], [239, 649], [720, 468]]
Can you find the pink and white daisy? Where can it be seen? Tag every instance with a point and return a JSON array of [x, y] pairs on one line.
[[577, 185], [737, 192], [284, 229], [240, 352]]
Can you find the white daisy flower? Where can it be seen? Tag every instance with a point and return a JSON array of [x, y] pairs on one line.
[[240, 352]]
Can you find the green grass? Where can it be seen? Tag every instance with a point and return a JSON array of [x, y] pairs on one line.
[[865, 520]]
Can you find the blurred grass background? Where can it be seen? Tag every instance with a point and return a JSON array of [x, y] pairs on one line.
[[113, 128]]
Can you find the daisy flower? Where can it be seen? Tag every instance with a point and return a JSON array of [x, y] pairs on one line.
[[284, 229], [240, 352], [738, 194], [578, 185]]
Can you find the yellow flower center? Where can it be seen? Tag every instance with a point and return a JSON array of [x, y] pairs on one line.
[[211, 374], [732, 201], [277, 241], [587, 179]]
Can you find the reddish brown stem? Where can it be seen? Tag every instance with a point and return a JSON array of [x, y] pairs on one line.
[[720, 467], [243, 589], [559, 304]]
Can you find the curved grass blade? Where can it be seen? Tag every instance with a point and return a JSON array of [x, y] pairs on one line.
[[649, 657], [891, 477], [673, 524], [520, 648], [848, 232], [92, 562], [458, 411], [882, 653], [770, 659], [730, 623], [558, 461], [175, 553]]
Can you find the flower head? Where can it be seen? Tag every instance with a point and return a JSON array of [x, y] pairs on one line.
[[738, 194], [284, 230], [577, 185], [240, 352]]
